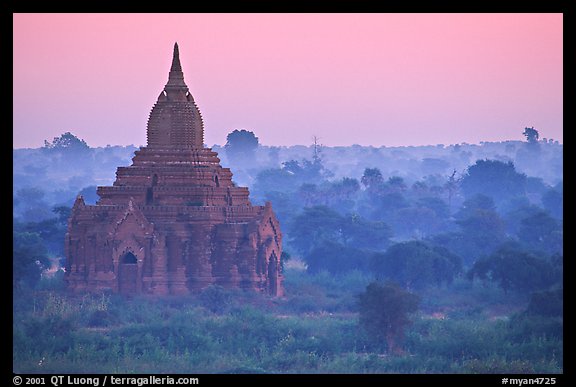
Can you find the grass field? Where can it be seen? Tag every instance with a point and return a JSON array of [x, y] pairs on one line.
[[465, 328]]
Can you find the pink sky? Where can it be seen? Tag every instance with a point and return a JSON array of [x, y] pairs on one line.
[[369, 79]]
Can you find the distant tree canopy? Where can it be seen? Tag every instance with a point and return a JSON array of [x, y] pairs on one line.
[[542, 232], [50, 231], [439, 206], [314, 225], [493, 178], [320, 223], [336, 258], [339, 194], [513, 268], [484, 227], [30, 204], [66, 141], [29, 258], [307, 171], [531, 135], [396, 184], [63, 213], [482, 230], [416, 265], [553, 201], [275, 180], [372, 178], [360, 233], [474, 204], [385, 313], [241, 144]]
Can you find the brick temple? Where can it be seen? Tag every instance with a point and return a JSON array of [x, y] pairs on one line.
[[173, 222]]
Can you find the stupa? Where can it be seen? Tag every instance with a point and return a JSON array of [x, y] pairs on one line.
[[173, 222]]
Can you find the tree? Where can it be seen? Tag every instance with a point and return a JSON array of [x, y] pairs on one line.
[[63, 213], [346, 188], [414, 222], [307, 171], [31, 205], [385, 313], [31, 196], [66, 142], [29, 258], [293, 167], [335, 258], [316, 150], [416, 265], [513, 268], [241, 145], [310, 194], [553, 201], [319, 223], [338, 194], [452, 186], [514, 217], [372, 179], [364, 234], [275, 180], [285, 206], [483, 231], [386, 204], [215, 298], [51, 231], [493, 178], [395, 184], [314, 225], [439, 206], [531, 135], [542, 232]]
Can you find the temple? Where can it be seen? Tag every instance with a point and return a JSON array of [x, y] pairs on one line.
[[173, 222]]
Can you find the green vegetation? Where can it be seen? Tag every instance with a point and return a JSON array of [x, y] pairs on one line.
[[474, 244], [315, 329], [241, 145], [384, 313]]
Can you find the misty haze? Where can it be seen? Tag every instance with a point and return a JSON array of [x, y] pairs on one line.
[[188, 255]]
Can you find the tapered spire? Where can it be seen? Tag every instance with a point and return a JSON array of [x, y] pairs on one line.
[[176, 76], [176, 59]]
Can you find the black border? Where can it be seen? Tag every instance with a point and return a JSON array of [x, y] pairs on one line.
[[526, 6]]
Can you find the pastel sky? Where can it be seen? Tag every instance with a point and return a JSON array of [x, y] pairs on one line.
[[369, 79]]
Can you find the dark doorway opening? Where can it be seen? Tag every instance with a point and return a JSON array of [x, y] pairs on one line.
[[149, 196], [128, 274], [273, 275], [129, 258]]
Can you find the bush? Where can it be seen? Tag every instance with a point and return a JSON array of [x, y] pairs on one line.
[[215, 298], [547, 303], [384, 312], [416, 265]]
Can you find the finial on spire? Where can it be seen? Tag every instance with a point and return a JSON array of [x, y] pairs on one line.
[[176, 59]]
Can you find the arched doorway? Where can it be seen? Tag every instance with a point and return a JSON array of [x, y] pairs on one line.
[[273, 275], [128, 274]]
